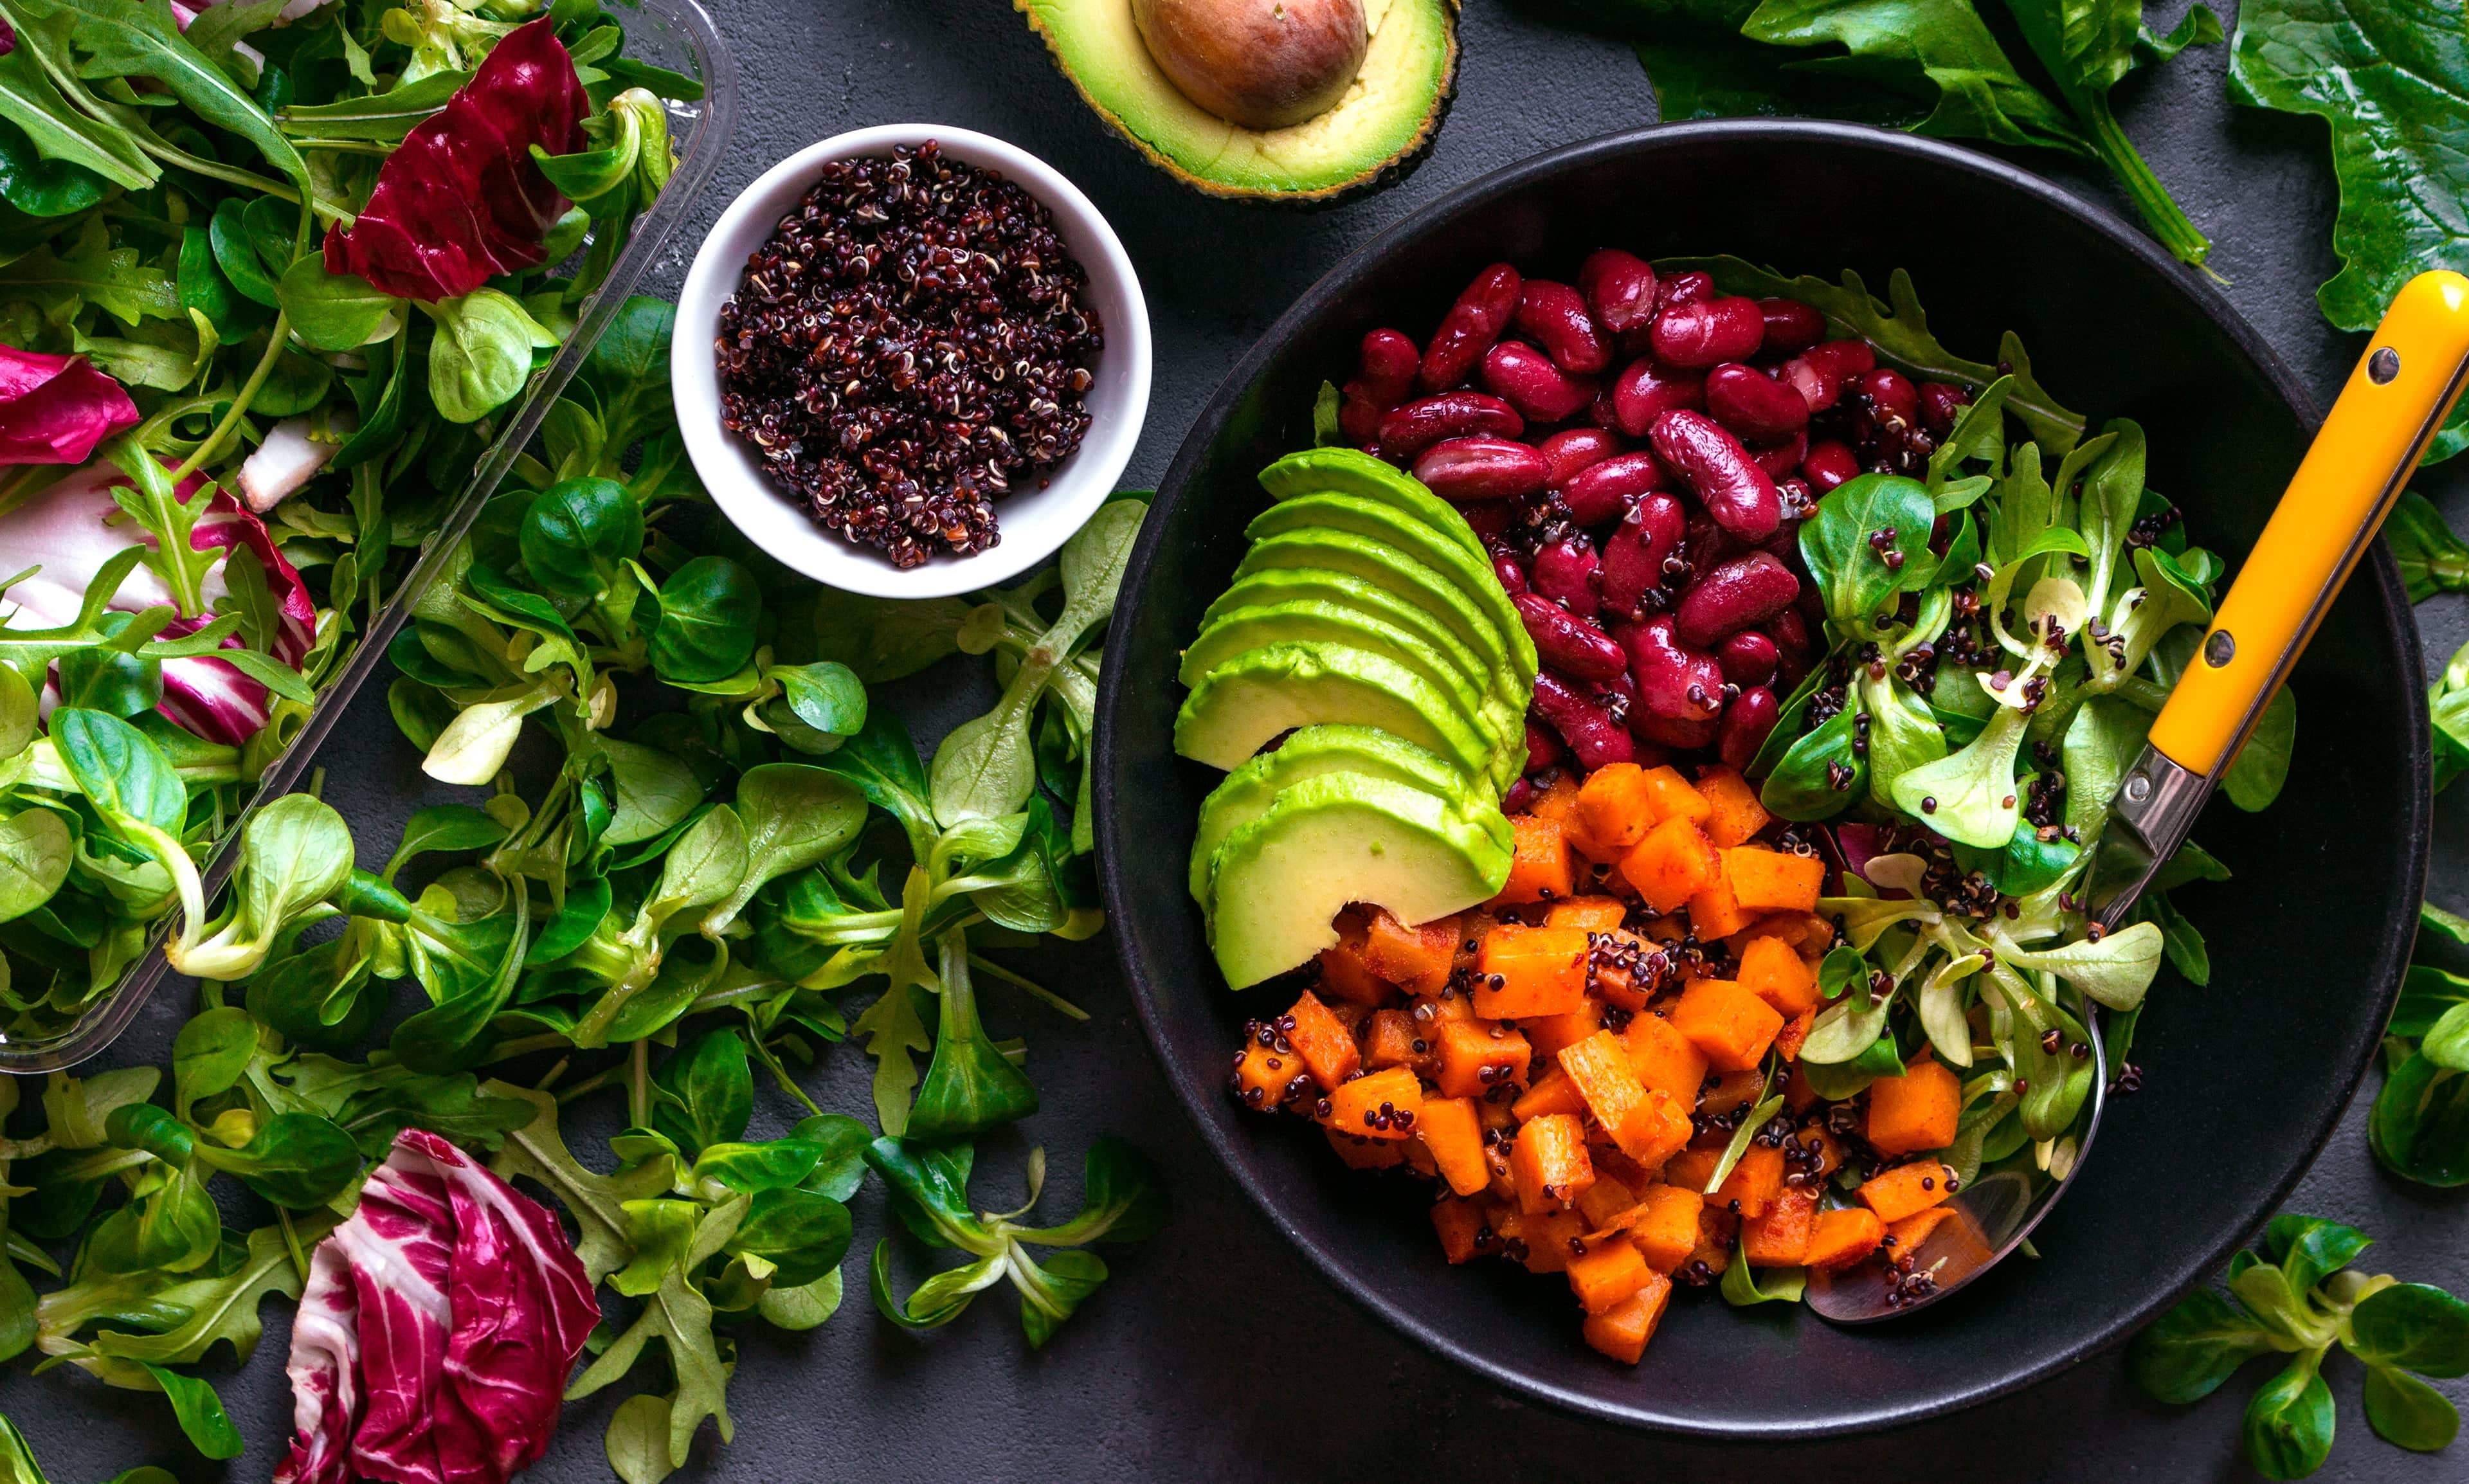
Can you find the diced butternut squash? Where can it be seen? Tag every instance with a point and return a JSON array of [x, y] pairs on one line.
[[1623, 969], [1365, 1154], [1324, 1041], [1671, 797], [1797, 1093], [1541, 868], [1765, 881], [1529, 971], [1717, 1229], [1806, 933], [1346, 975], [1663, 1057], [1476, 1056], [1692, 1168], [1774, 971], [1840, 1239], [1905, 1189], [1558, 803], [1553, 1091], [1549, 1163], [1733, 812], [1914, 1112], [1645, 1124], [1549, 1033], [1449, 1127], [1731, 1090], [1460, 1224], [1794, 1035], [1714, 912], [1670, 864], [1621, 1332], [1665, 1228], [1753, 1185], [1551, 1240], [1948, 1230], [1378, 1106], [1615, 809], [1607, 1273], [1608, 1200], [1593, 914], [1416, 957], [1780, 1236], [1266, 1077], [1388, 1040], [1434, 1010], [1828, 1148], [1731, 1026]]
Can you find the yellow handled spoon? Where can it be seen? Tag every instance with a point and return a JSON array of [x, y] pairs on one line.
[[2399, 394]]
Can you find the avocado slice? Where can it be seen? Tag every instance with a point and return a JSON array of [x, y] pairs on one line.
[[1260, 693], [1373, 520], [1247, 792], [1343, 471], [1298, 623], [1384, 120], [1385, 566], [1335, 839]]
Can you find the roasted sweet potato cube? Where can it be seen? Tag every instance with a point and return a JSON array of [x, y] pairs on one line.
[[1365, 1154], [1774, 971], [1914, 1112], [1549, 1163], [1378, 1106], [1753, 1185], [1671, 797], [1840, 1239], [1607, 1273], [1731, 1090], [1615, 809], [1765, 881], [1624, 969], [1664, 1057], [1714, 912], [1608, 1198], [1346, 974], [1549, 1033], [1717, 1229], [1670, 864], [1558, 802], [1665, 1230], [1733, 813], [1797, 1093], [1794, 1035], [1593, 914], [1461, 1224], [1450, 1129], [1779, 1236], [1542, 866], [1416, 957], [1731, 1026], [1553, 1091], [1390, 1040], [1476, 1056], [1623, 1331], [1692, 1168], [1548, 1238], [1905, 1189], [1529, 971], [1324, 1041], [1644, 1124], [1266, 1077]]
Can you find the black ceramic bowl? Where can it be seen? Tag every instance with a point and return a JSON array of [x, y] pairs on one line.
[[2243, 1080]]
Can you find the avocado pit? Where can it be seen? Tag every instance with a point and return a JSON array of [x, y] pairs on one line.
[[1262, 64]]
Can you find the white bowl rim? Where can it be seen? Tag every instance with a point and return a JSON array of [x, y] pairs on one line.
[[756, 504]]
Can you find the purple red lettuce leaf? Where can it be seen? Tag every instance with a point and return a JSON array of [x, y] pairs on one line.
[[53, 410]]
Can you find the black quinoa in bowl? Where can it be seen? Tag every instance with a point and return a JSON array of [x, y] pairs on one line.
[[905, 347]]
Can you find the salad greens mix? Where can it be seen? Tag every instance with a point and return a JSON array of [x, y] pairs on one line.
[[268, 277]]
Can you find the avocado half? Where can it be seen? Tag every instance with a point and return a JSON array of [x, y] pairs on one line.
[[1385, 119]]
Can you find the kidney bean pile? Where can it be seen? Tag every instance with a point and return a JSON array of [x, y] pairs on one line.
[[1637, 452]]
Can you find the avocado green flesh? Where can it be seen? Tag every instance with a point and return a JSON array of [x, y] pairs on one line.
[[1247, 792], [1256, 628], [1389, 113], [1340, 471], [1238, 707], [1385, 566], [1355, 515], [1332, 840]]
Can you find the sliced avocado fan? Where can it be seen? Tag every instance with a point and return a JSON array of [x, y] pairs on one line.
[[1242, 705], [1343, 471]]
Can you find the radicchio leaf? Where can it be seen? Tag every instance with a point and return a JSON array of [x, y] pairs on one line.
[[71, 528], [462, 200], [53, 410], [437, 1329]]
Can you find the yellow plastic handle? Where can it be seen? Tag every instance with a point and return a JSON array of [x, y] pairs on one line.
[[2403, 388]]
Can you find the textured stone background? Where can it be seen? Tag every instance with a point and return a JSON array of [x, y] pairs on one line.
[[1213, 1353]]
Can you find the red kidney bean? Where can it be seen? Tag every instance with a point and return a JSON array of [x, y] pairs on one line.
[[1527, 379], [1710, 546], [1792, 326], [1749, 659], [1567, 642], [1663, 732], [1469, 471], [1891, 395], [1471, 326], [1543, 746], [1790, 631], [1742, 594], [1387, 362], [1747, 722], [1940, 402], [1645, 391], [1846, 358], [1565, 573], [1555, 316], [1726, 480], [1828, 463], [1709, 333], [1574, 448], [1620, 289], [1784, 545], [1674, 680], [1407, 431], [1506, 567], [1598, 493], [1780, 459], [1633, 557], [1755, 405], [1815, 380], [1582, 721], [1691, 287], [1493, 519]]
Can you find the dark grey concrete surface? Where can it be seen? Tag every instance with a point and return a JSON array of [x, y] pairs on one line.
[[1213, 1353]]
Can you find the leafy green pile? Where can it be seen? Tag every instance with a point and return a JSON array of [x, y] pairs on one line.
[[2420, 1130], [2299, 1298], [1935, 67], [137, 230]]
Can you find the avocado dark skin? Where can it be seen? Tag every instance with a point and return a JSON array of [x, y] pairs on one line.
[[1264, 64]]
